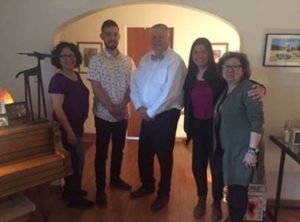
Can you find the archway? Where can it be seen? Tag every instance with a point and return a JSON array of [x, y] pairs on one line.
[[188, 23]]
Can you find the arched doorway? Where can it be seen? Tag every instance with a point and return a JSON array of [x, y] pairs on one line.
[[188, 24]]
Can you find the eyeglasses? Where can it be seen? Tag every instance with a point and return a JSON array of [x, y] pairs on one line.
[[234, 67], [71, 56]]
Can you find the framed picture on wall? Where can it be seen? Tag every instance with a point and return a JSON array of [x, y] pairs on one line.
[[219, 48], [88, 50], [282, 50]]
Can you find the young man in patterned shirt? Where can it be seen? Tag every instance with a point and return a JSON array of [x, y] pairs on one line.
[[109, 73]]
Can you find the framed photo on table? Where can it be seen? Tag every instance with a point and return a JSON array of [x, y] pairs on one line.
[[282, 50], [88, 50], [219, 49], [3, 120], [16, 113], [2, 107]]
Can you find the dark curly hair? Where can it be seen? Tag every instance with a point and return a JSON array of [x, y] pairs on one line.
[[55, 60], [242, 57]]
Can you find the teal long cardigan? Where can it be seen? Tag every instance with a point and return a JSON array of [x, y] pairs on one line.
[[237, 116]]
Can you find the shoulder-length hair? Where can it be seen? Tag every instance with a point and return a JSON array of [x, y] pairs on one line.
[[242, 57], [55, 60]]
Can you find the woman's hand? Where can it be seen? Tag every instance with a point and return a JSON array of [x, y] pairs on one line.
[[72, 139], [250, 159]]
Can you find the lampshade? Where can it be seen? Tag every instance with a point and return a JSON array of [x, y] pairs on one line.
[[5, 96]]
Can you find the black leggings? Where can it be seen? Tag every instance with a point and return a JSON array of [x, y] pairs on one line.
[[237, 202]]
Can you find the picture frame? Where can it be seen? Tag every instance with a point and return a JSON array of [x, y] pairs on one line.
[[88, 50], [219, 48], [3, 120], [16, 113], [2, 106], [282, 50]]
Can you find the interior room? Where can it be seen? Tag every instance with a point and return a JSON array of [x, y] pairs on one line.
[[37, 26]]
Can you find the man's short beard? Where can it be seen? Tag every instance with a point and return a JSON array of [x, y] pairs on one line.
[[111, 47]]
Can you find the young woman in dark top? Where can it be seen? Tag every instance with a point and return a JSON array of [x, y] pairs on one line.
[[203, 86], [69, 97]]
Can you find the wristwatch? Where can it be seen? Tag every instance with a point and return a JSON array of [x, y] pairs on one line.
[[254, 150]]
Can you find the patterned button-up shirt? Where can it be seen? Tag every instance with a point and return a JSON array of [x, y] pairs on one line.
[[114, 74]]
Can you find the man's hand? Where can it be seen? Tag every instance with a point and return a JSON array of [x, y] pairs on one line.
[[143, 112], [118, 111], [257, 92]]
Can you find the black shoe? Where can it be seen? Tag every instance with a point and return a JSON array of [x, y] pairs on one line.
[[119, 184], [200, 208], [216, 214], [67, 195], [80, 203], [83, 193], [159, 203], [101, 198], [140, 192]]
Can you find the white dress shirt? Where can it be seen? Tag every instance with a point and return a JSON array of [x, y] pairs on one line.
[[157, 84]]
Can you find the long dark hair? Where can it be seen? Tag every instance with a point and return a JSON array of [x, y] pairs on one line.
[[192, 67], [211, 74]]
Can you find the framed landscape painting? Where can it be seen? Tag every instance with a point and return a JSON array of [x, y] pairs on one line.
[[282, 50], [88, 50]]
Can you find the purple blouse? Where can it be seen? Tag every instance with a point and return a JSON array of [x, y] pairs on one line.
[[202, 100], [76, 99]]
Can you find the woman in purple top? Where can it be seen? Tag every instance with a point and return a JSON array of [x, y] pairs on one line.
[[203, 86], [69, 98]]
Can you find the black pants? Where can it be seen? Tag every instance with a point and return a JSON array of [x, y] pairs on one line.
[[202, 153], [105, 130], [237, 202], [72, 185], [158, 137]]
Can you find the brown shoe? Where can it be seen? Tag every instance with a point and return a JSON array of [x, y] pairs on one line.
[[216, 214], [200, 208], [159, 203]]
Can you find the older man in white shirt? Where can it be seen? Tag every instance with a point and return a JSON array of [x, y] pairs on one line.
[[156, 92]]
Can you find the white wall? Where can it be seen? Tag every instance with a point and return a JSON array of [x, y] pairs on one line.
[[30, 25], [188, 24]]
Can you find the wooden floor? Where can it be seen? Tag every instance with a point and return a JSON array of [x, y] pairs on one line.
[[121, 208]]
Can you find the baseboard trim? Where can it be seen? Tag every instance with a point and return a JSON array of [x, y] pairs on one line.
[[284, 203], [91, 137]]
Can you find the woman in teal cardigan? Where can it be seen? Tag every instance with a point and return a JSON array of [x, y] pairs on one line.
[[238, 124]]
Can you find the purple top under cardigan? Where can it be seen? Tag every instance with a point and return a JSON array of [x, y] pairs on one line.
[[202, 100]]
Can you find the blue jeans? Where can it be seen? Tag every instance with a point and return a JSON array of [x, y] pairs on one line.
[[72, 185]]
